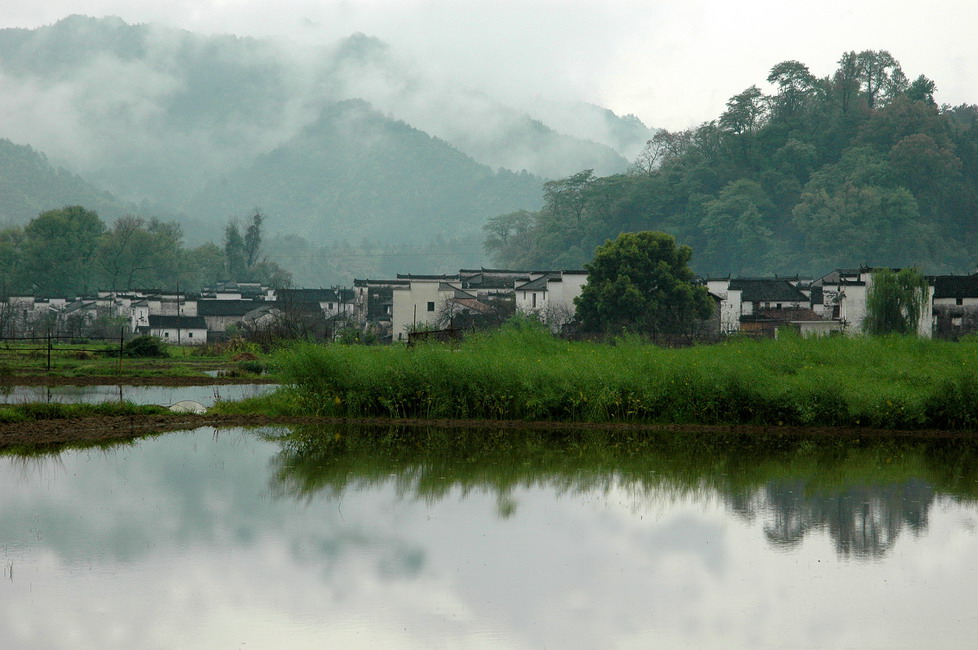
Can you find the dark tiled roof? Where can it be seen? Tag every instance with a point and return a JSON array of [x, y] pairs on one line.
[[956, 286], [314, 295], [226, 307], [414, 276], [540, 284], [767, 290], [184, 322], [381, 283]]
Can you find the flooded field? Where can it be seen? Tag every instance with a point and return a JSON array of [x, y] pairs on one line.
[[398, 537], [162, 395]]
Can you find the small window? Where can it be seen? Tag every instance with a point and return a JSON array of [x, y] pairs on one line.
[[166, 335], [190, 335], [431, 306], [778, 306], [959, 301]]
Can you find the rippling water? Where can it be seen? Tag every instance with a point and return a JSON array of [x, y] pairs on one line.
[[419, 538]]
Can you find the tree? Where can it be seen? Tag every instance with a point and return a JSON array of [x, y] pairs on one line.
[[234, 252], [135, 253], [880, 76], [252, 239], [795, 85], [895, 302], [568, 196], [642, 282], [58, 252]]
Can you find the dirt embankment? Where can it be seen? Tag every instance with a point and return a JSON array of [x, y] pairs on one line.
[[97, 430]]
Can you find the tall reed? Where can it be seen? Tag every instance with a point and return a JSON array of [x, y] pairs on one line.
[[521, 372]]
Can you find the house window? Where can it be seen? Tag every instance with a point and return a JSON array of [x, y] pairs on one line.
[[190, 335], [959, 301], [166, 335], [778, 306], [431, 306], [534, 299]]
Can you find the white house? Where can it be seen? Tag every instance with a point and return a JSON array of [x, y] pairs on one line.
[[421, 302], [178, 330], [844, 291], [551, 296]]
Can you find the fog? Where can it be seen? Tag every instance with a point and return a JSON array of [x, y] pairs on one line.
[[673, 65]]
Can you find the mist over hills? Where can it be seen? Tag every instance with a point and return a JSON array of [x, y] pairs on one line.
[[29, 184], [355, 173], [344, 140]]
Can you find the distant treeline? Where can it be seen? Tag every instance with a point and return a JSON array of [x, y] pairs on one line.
[[860, 167], [72, 252]]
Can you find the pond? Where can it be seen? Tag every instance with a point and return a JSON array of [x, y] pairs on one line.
[[162, 395], [409, 537]]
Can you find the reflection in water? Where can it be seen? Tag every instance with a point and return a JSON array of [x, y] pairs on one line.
[[862, 493], [162, 395], [863, 521], [413, 537]]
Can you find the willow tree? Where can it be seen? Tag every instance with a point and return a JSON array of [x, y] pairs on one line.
[[895, 302]]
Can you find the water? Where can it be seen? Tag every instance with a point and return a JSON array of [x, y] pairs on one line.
[[161, 395], [342, 537]]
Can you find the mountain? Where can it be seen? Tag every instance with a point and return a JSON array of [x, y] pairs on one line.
[[356, 173], [29, 185], [211, 126]]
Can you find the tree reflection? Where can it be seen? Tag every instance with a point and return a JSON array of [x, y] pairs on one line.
[[862, 492], [863, 521]]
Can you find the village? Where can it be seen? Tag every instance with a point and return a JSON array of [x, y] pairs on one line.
[[395, 310]]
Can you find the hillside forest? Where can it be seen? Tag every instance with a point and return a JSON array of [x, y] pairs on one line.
[[859, 167]]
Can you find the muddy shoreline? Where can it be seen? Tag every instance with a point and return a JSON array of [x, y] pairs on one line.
[[99, 430]]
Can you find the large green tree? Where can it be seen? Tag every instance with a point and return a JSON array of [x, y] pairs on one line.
[[641, 282], [58, 252]]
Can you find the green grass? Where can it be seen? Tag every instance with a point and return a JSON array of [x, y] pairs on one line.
[[79, 360], [34, 411], [523, 373]]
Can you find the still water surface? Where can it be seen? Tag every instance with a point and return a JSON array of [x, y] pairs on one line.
[[161, 395], [338, 538]]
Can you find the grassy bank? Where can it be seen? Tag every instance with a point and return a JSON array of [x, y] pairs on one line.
[[93, 359], [36, 411], [523, 373]]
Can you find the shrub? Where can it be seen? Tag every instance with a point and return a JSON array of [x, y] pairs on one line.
[[144, 347]]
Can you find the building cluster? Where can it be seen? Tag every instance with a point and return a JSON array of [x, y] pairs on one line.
[[409, 304], [836, 303], [177, 317]]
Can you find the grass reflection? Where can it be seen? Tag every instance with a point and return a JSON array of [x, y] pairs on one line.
[[863, 491]]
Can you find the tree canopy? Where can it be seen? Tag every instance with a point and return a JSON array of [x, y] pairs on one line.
[[71, 252], [858, 167], [641, 282]]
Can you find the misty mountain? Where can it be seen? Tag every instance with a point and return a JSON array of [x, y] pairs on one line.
[[171, 118], [29, 184], [356, 173]]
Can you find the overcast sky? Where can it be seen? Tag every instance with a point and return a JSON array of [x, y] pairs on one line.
[[674, 64]]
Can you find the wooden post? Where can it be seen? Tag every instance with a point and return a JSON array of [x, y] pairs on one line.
[[49, 350], [122, 340]]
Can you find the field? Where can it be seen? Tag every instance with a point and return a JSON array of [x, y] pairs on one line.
[[85, 361], [521, 373]]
